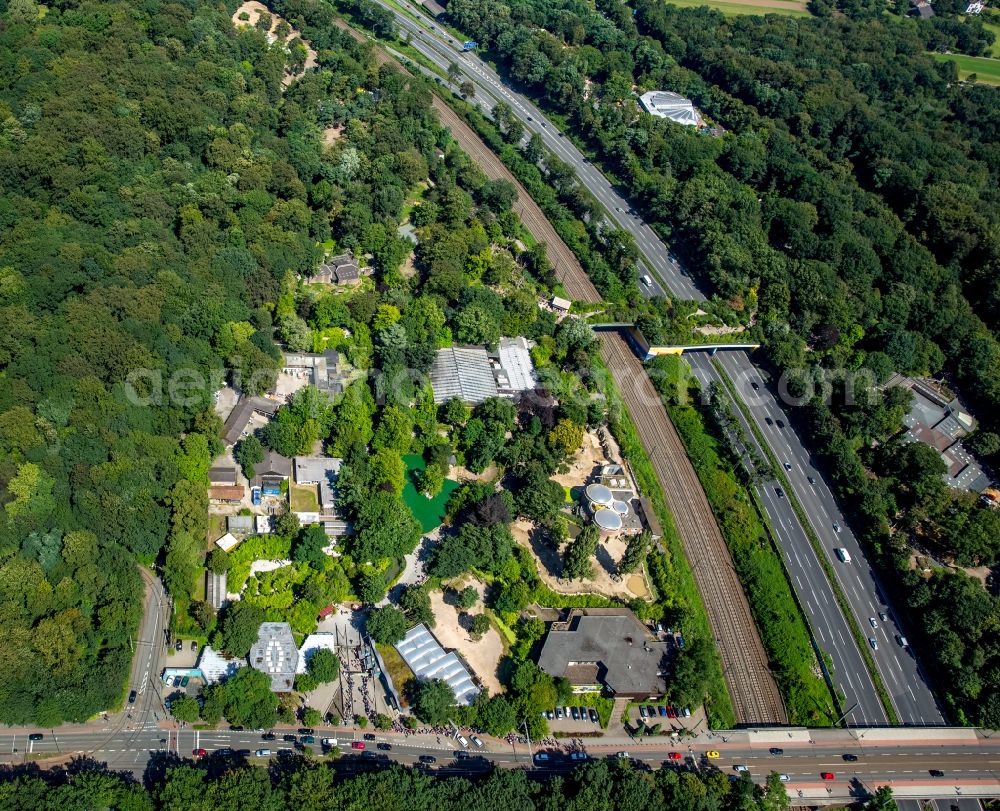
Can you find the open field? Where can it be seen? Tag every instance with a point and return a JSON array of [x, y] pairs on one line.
[[987, 70], [733, 7], [995, 28]]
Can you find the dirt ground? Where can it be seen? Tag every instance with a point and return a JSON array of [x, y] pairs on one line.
[[254, 10], [482, 656], [331, 134], [590, 456], [609, 552]]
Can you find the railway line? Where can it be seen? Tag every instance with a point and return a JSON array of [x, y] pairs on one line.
[[754, 693]]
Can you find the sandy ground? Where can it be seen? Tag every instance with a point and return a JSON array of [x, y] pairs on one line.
[[254, 9], [408, 270], [482, 656], [463, 474], [549, 563], [588, 458], [331, 134], [289, 383]]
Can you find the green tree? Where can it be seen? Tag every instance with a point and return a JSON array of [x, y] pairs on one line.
[[387, 625], [185, 708], [219, 561], [247, 699], [466, 598], [416, 603], [249, 452], [309, 546], [312, 717], [385, 528], [479, 626], [238, 630], [431, 480], [635, 552], [394, 432], [324, 666], [577, 564], [434, 702], [182, 564]]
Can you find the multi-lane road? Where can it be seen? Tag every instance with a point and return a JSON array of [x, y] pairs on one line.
[[911, 697]]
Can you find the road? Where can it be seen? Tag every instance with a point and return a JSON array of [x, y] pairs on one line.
[[811, 586], [912, 698], [915, 768], [907, 686]]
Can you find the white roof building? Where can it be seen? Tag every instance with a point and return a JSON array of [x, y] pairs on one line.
[[228, 542], [314, 642], [216, 667], [664, 104], [515, 361], [428, 660]]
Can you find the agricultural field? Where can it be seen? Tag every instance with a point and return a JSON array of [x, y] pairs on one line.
[[732, 7], [987, 70]]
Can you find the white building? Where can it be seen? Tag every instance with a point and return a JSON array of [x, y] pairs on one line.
[[664, 104]]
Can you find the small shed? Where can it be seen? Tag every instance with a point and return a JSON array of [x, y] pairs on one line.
[[561, 304], [228, 542]]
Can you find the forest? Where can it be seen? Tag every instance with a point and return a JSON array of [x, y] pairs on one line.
[[846, 215], [300, 784]]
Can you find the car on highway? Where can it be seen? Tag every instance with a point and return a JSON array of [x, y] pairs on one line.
[[776, 750], [619, 210], [827, 775], [199, 752], [843, 554], [873, 622], [740, 767], [262, 753], [768, 420], [268, 736], [779, 423], [755, 385], [622, 755], [849, 758], [836, 527], [329, 741], [359, 745], [936, 773], [289, 738], [428, 759], [711, 754], [779, 492], [306, 731], [369, 736], [787, 466], [384, 747], [901, 641], [873, 642], [243, 753], [674, 756], [811, 480], [461, 754], [783, 778], [132, 697], [883, 616], [35, 736]]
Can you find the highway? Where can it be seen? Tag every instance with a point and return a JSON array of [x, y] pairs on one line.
[[935, 767], [811, 586], [908, 688], [913, 700]]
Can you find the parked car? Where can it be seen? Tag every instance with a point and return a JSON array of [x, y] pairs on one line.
[[359, 745], [428, 759], [642, 711], [306, 731], [686, 713], [476, 741], [541, 757], [462, 740], [575, 712], [827, 775], [179, 645], [185, 680], [263, 753], [549, 714], [132, 697], [243, 753], [35, 736], [578, 755], [559, 713], [194, 645], [593, 716], [662, 711], [623, 755]]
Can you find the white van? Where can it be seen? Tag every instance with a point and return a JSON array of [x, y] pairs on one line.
[[263, 753], [843, 554], [646, 280]]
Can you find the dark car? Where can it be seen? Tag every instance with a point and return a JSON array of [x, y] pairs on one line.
[[779, 423], [308, 739], [307, 731], [289, 738], [384, 747], [811, 480], [268, 736], [768, 420], [35, 736], [936, 773], [850, 758], [593, 716], [369, 736], [754, 384], [243, 752], [194, 645], [132, 697], [199, 752], [779, 492], [179, 645], [428, 759], [185, 680], [461, 754], [776, 750]]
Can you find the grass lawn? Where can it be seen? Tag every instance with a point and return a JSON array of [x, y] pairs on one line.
[[399, 671], [995, 28], [428, 511], [304, 498], [987, 70], [733, 7], [216, 529]]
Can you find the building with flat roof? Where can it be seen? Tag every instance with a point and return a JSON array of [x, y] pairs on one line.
[[276, 654], [322, 369], [664, 104], [473, 374], [222, 475], [606, 650], [428, 660]]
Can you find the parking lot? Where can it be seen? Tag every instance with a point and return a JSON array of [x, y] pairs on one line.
[[561, 720]]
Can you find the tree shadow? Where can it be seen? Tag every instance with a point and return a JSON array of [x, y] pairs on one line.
[[158, 765], [545, 551], [607, 562]]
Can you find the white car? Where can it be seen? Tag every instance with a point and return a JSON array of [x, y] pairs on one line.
[[783, 778], [329, 741], [873, 622], [873, 642]]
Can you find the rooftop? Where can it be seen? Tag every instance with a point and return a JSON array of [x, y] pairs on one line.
[[275, 653], [463, 372], [428, 660], [515, 360], [321, 470], [664, 104], [610, 647], [240, 416]]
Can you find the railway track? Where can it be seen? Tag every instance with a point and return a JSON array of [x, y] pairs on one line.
[[755, 695]]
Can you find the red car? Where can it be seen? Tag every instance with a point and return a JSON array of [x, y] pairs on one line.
[[826, 775], [357, 745], [199, 753], [674, 756]]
